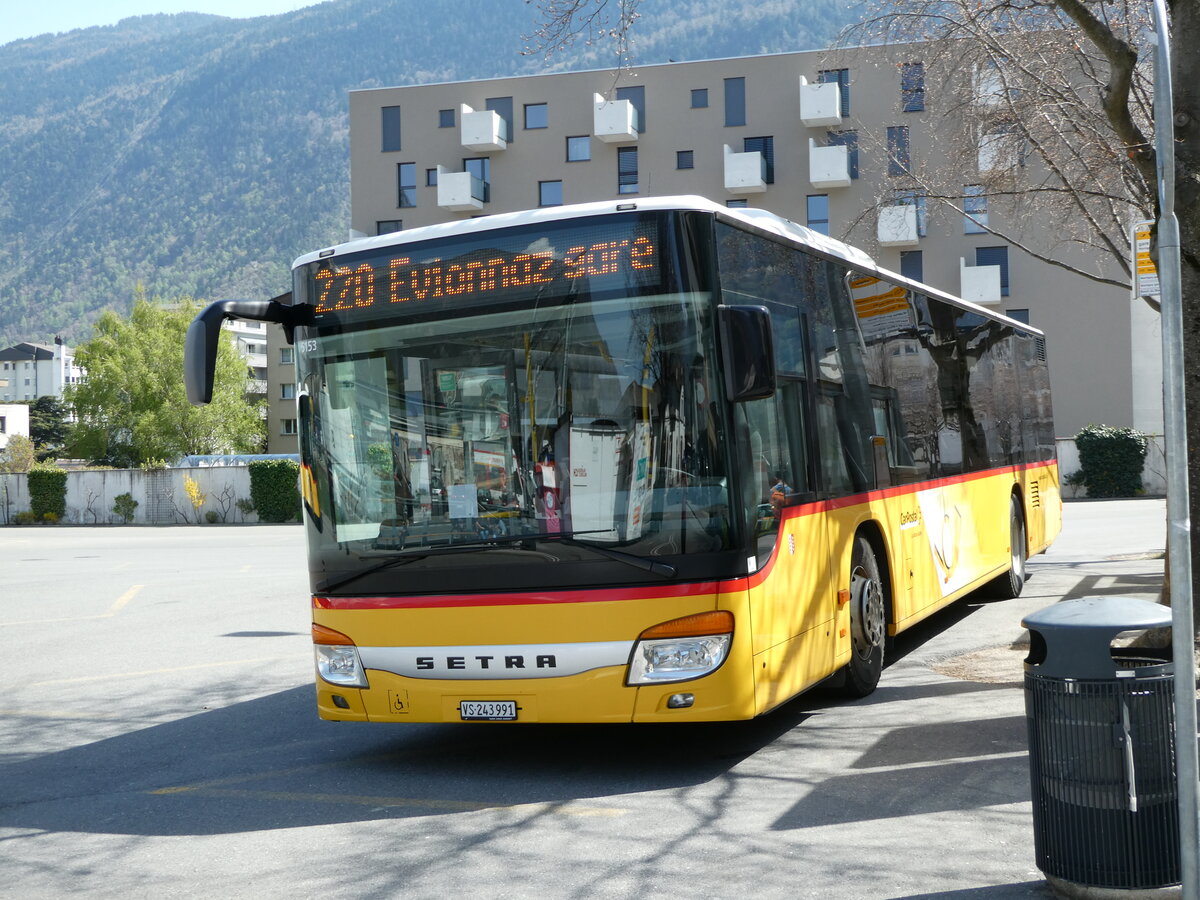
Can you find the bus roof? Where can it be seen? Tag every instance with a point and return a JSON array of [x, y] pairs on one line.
[[760, 220]]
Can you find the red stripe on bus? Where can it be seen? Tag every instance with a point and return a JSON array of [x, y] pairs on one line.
[[597, 595]]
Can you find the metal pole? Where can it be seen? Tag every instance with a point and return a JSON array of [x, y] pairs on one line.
[[1179, 550]]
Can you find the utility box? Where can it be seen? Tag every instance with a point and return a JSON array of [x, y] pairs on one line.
[[1101, 725]]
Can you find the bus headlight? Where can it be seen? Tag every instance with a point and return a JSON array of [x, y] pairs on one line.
[[681, 649], [337, 658]]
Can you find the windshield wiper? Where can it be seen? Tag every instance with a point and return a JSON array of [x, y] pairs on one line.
[[654, 567], [403, 557]]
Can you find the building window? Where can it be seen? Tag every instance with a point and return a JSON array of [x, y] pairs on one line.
[[699, 98], [740, 203], [1020, 315], [912, 87], [735, 101], [287, 356], [840, 77], [287, 391], [818, 213], [684, 159], [627, 170], [445, 118], [765, 146], [388, 226], [287, 426], [912, 265], [849, 140], [481, 168], [550, 193], [975, 209], [537, 115], [503, 106], [579, 149], [637, 97], [995, 256], [391, 128], [406, 177], [897, 148], [917, 199]]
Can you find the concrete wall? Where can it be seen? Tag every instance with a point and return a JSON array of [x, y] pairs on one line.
[[161, 496]]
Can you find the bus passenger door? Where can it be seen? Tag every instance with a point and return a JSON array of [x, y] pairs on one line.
[[791, 615]]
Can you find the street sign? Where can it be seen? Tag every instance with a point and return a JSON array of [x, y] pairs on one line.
[[1145, 273]]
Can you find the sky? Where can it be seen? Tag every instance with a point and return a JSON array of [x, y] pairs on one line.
[[34, 18]]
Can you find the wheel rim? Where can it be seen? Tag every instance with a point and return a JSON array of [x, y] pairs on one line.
[[868, 619], [1017, 542]]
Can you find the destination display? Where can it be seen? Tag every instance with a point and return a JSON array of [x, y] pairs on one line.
[[496, 266]]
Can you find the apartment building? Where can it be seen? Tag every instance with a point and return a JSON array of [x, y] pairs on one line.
[[29, 371], [832, 141], [281, 393]]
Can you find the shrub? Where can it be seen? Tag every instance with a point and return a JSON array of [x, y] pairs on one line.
[[1111, 460], [211, 517], [245, 506], [27, 517], [47, 492], [275, 489], [124, 506], [195, 496]]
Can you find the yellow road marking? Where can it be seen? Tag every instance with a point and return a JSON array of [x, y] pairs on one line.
[[117, 606], [393, 802], [29, 714], [145, 672], [123, 599], [224, 787]]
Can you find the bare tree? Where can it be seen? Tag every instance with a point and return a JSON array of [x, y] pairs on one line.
[[563, 22], [1043, 122]]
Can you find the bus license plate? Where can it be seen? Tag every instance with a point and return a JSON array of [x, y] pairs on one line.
[[488, 710]]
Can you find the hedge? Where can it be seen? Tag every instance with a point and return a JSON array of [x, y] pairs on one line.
[[48, 492], [275, 489], [1111, 460]]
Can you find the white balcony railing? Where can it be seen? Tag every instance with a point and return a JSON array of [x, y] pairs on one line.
[[820, 104], [745, 173], [483, 130], [614, 121], [979, 284], [460, 191], [897, 226], [828, 166]]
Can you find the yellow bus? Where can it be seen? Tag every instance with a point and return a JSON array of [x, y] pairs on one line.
[[660, 461]]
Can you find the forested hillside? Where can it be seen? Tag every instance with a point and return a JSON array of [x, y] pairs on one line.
[[194, 154]]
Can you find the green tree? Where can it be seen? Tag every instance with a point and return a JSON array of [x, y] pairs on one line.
[[17, 457], [133, 408], [49, 428]]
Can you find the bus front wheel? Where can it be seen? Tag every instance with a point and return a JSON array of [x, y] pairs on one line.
[[868, 622]]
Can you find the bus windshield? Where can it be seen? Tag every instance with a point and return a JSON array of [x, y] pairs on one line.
[[591, 421]]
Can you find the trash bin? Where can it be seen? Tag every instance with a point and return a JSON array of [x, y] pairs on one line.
[[1102, 746]]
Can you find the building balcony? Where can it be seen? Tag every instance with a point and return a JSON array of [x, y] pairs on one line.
[[614, 121], [745, 173], [820, 104], [483, 130], [897, 226], [828, 166], [979, 284], [460, 191]]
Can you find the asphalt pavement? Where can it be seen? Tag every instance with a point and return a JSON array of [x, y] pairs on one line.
[[157, 739]]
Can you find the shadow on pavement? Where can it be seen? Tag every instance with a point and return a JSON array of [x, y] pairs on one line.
[[269, 763]]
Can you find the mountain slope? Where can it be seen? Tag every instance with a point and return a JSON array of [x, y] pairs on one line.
[[196, 154]]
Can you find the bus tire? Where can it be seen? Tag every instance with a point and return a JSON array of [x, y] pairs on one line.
[[1008, 586], [868, 622]]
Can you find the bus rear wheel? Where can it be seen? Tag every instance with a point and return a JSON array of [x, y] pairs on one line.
[[1008, 586], [868, 622]]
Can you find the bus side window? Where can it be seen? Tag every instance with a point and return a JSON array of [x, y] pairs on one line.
[[835, 474]]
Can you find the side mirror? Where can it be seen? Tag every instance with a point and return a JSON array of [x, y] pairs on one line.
[[204, 336], [748, 350]]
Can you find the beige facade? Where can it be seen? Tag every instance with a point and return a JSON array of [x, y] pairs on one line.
[[701, 126], [281, 393]]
